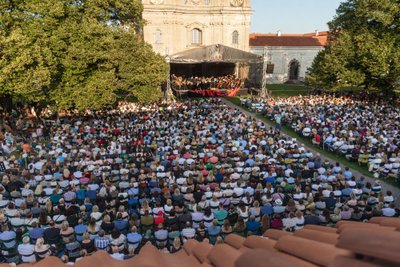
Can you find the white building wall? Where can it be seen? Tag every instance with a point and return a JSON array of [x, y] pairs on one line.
[[282, 56]]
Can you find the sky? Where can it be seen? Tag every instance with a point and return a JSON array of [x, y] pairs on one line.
[[292, 16]]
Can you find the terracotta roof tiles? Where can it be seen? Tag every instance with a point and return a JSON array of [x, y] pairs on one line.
[[389, 222], [309, 250], [276, 234], [320, 228], [341, 261], [324, 237], [378, 243]]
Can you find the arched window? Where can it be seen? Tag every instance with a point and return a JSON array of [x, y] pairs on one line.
[[158, 37], [294, 70], [197, 36], [235, 37]]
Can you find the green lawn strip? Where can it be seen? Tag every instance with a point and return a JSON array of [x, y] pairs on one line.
[[274, 87], [286, 90], [307, 142], [287, 94]]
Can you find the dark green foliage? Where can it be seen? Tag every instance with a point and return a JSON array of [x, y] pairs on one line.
[[363, 48], [77, 53]]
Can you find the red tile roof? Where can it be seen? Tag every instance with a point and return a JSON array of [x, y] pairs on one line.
[[288, 39], [373, 240]]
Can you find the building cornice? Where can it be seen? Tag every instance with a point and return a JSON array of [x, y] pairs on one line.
[[196, 10]]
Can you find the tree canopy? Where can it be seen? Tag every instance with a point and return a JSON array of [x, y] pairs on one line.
[[363, 47], [77, 54]]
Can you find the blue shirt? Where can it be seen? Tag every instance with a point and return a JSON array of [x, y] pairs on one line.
[[311, 219], [219, 177], [266, 210], [80, 194], [161, 235], [347, 191], [89, 207], [310, 165], [270, 180], [243, 143], [61, 159], [347, 175], [80, 229], [253, 226], [250, 190], [330, 202], [102, 243], [8, 238], [134, 239], [36, 233], [249, 162], [279, 209], [291, 180], [213, 232], [92, 194], [121, 224], [132, 201]]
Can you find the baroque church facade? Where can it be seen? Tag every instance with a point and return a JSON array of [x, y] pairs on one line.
[[177, 25]]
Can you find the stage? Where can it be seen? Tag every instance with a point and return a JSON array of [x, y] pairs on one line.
[[199, 71], [213, 92]]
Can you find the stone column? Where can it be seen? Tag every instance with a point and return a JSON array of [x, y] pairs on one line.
[[264, 90], [168, 94], [237, 70]]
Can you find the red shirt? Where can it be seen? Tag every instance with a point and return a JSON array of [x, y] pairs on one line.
[[158, 220]]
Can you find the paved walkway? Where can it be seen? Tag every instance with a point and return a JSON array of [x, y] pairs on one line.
[[385, 187]]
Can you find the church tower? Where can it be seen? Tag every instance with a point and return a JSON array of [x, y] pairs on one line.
[[177, 25]]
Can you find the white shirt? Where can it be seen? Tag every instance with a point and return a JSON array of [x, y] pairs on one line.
[[118, 256], [289, 223], [239, 191], [27, 249], [388, 199], [188, 232], [197, 217], [288, 172], [6, 149], [388, 212]]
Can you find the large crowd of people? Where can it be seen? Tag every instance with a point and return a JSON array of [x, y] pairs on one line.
[[205, 83], [363, 130], [167, 173]]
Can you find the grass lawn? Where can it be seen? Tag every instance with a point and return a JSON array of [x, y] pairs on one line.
[[307, 142], [286, 90]]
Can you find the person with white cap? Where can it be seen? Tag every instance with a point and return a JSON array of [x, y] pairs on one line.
[[278, 207]]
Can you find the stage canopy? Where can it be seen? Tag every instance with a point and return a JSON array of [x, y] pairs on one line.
[[214, 53], [218, 60]]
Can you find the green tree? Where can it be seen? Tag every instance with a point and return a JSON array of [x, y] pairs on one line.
[[77, 53], [363, 47]]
